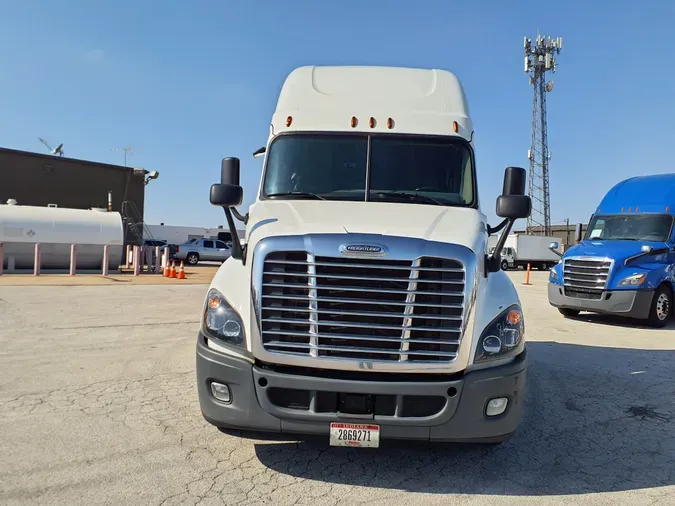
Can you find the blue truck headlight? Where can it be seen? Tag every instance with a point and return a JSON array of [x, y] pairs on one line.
[[220, 321], [502, 337], [552, 275], [633, 280]]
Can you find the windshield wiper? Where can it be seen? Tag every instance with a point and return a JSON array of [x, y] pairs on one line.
[[412, 196], [296, 194]]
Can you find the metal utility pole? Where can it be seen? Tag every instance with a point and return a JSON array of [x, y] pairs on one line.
[[126, 150], [540, 59]]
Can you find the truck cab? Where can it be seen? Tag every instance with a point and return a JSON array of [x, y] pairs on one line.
[[624, 263], [364, 304]]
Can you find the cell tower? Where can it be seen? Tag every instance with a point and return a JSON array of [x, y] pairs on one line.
[[540, 59]]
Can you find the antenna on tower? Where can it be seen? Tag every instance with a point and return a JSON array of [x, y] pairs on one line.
[[126, 150], [540, 58]]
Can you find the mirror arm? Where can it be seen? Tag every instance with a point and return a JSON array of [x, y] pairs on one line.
[[492, 262], [493, 230], [237, 250], [556, 252], [239, 216]]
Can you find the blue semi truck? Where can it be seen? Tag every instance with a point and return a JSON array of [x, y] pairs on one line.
[[624, 263]]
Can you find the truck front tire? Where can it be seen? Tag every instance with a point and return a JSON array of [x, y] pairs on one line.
[[661, 307], [505, 265]]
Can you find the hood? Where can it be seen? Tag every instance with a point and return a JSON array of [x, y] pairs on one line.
[[456, 225], [617, 250]]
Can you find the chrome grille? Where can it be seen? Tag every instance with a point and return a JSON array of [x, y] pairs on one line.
[[362, 309], [585, 274]]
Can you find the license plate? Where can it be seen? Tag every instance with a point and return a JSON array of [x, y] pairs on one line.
[[349, 434]]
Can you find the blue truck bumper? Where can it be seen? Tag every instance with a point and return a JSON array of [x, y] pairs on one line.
[[629, 303]]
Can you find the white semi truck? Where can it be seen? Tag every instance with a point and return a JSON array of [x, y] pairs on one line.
[[364, 304]]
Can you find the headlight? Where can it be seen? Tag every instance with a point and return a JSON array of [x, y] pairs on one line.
[[221, 321], [553, 275], [633, 280], [502, 336]]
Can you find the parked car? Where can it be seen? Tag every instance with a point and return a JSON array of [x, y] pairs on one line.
[[195, 250]]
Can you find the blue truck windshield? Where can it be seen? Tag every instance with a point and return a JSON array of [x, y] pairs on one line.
[[635, 227], [411, 169]]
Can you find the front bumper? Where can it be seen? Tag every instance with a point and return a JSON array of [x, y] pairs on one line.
[[460, 417], [629, 303]]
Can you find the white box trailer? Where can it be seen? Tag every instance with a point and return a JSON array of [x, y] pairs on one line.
[[522, 249]]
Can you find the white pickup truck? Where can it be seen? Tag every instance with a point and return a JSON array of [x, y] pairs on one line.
[[364, 304]]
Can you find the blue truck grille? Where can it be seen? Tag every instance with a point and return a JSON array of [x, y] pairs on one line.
[[585, 275], [362, 309]]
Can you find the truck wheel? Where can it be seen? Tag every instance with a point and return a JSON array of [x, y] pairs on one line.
[[505, 265], [192, 258], [661, 308], [568, 313]]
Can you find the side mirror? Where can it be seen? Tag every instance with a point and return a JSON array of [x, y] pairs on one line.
[[259, 152], [514, 181], [513, 207], [512, 204], [578, 233], [229, 171], [226, 195], [553, 246]]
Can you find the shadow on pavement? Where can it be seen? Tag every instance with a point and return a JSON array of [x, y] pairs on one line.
[[596, 420], [619, 321]]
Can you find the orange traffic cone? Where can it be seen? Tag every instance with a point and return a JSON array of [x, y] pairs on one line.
[[181, 271], [167, 270], [172, 272]]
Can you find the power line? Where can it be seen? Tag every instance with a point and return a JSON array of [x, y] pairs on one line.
[[539, 59]]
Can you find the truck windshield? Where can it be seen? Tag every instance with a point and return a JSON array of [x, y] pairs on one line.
[[636, 227], [392, 168]]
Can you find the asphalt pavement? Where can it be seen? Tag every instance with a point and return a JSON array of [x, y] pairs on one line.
[[98, 405]]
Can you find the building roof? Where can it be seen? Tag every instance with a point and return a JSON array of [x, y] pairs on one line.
[[53, 158]]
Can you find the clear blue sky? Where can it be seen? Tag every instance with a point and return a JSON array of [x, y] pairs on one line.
[[191, 82]]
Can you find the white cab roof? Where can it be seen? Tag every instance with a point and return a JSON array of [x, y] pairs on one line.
[[419, 101]]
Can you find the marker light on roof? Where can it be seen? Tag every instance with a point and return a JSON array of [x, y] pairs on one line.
[[289, 120], [372, 122], [354, 121], [455, 126], [390, 123]]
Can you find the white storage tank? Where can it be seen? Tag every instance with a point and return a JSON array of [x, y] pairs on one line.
[[56, 229]]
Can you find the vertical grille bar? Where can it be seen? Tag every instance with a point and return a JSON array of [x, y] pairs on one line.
[[409, 309], [313, 307]]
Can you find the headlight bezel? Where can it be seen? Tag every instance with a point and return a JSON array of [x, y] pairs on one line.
[[509, 344], [217, 306], [639, 279]]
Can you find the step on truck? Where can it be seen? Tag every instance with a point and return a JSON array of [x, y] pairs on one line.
[[623, 266], [364, 305]]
